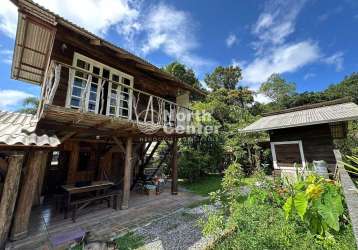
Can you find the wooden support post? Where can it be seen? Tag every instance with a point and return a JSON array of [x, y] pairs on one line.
[[174, 167], [26, 195], [127, 174], [9, 195], [73, 162], [42, 170]]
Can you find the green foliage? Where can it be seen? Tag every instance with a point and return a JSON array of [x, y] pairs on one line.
[[346, 88], [257, 220], [223, 77], [205, 185], [183, 73], [277, 88], [30, 105], [318, 202], [129, 241], [352, 165]]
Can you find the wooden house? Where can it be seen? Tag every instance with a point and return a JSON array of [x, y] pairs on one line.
[[101, 109], [305, 134]]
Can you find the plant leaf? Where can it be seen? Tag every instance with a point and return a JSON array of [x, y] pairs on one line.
[[301, 202], [287, 207]]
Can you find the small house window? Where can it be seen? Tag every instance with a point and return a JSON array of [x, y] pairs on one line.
[[338, 130]]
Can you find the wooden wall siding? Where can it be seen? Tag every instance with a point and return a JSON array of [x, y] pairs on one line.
[[316, 140], [288, 153], [76, 43]]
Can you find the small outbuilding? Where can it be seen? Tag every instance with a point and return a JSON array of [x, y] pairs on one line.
[[304, 134]]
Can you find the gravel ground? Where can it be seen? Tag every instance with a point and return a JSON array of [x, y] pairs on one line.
[[181, 230]]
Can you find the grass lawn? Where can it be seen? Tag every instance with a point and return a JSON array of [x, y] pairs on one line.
[[205, 185], [129, 241]]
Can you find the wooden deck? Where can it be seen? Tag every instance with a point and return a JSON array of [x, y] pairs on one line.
[[101, 222]]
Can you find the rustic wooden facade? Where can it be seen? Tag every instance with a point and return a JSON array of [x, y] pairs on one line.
[[105, 107], [305, 134]]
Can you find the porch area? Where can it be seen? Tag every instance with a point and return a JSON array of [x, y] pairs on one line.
[[48, 225]]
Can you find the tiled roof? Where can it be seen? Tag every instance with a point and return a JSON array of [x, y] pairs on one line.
[[305, 117], [20, 129]]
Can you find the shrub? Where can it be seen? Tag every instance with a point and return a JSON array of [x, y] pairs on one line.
[[317, 202]]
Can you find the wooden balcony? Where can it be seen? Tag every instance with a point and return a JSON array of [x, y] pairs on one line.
[[108, 104]]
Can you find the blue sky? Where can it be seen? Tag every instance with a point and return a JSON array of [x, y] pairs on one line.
[[312, 43]]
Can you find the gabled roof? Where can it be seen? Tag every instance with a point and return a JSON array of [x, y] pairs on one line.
[[41, 35], [20, 129], [327, 112]]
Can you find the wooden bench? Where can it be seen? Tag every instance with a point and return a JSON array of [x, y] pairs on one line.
[[78, 205]]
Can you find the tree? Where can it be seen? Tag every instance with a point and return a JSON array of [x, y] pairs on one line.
[[224, 77], [183, 73], [277, 88], [30, 105], [346, 88]]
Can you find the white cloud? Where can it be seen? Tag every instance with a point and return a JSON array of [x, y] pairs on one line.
[[171, 31], [8, 18], [6, 56], [308, 76], [231, 40], [261, 98], [276, 22], [336, 59], [286, 58], [95, 15], [10, 98]]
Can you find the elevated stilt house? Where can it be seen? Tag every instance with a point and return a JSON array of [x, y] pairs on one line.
[[304, 134], [101, 110]]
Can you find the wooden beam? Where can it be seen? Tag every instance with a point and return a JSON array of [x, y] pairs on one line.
[[73, 163], [174, 166], [68, 136], [127, 174], [9, 195], [26, 195], [42, 170], [119, 143]]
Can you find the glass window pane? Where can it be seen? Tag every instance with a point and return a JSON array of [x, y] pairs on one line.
[[93, 96], [91, 106], [94, 87], [95, 79], [75, 102], [81, 74], [79, 82], [124, 112], [113, 102], [126, 81], [114, 86], [76, 91], [96, 70], [112, 110], [83, 64], [115, 78], [114, 95]]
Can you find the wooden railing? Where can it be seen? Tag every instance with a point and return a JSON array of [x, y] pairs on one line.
[[142, 107]]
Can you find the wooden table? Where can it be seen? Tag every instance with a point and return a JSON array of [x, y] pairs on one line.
[[96, 186]]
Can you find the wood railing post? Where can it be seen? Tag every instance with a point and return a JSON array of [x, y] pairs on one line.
[[127, 174], [26, 195], [174, 166], [9, 195]]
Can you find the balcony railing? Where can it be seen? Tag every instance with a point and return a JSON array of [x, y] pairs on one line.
[[90, 92]]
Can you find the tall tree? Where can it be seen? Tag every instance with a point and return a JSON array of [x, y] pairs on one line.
[[30, 105], [277, 88], [346, 88], [224, 77], [183, 73]]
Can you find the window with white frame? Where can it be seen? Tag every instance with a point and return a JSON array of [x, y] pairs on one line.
[[87, 87], [286, 153]]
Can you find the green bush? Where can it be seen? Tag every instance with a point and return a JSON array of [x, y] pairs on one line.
[[318, 202], [257, 221]]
